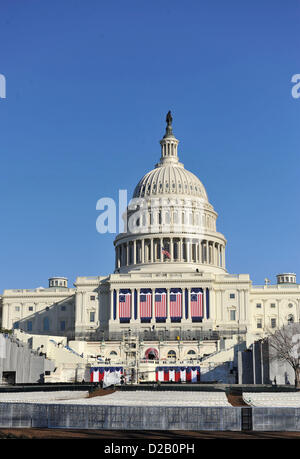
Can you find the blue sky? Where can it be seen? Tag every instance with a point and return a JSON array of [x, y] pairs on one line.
[[88, 86]]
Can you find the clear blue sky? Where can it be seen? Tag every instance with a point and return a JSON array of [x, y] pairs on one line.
[[88, 86]]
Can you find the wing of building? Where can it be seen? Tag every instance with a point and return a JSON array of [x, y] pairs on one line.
[[169, 285]]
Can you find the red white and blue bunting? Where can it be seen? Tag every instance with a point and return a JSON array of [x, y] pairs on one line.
[[98, 374], [178, 374]]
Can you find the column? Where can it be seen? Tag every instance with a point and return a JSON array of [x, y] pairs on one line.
[[134, 252], [138, 318], [180, 249], [187, 249], [213, 253], [245, 307], [143, 251], [153, 305], [204, 303], [117, 304], [217, 307], [120, 254], [123, 255], [161, 245], [189, 317], [224, 256], [111, 315], [5, 316], [222, 305], [168, 320], [200, 251], [171, 249], [151, 250]]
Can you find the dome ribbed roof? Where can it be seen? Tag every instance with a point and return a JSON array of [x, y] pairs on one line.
[[171, 179]]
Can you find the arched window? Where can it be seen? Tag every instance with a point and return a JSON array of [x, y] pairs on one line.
[[191, 354], [171, 355], [113, 353]]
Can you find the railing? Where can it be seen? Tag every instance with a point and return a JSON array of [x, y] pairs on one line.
[[206, 357], [169, 335], [67, 348], [171, 362], [275, 286], [72, 350]]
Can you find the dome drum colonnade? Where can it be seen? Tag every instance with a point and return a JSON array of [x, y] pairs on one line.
[[147, 250]]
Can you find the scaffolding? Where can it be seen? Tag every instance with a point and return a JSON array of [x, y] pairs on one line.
[[131, 347]]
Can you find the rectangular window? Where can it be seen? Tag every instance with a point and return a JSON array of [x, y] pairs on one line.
[[258, 305], [232, 295], [63, 308], [29, 325], [92, 298], [273, 305], [46, 324], [273, 323], [30, 308], [17, 308], [92, 316], [259, 323], [232, 314], [62, 325]]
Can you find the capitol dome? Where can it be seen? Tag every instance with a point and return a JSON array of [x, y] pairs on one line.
[[169, 176], [170, 216]]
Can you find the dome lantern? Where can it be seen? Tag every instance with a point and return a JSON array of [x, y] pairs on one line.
[[169, 144]]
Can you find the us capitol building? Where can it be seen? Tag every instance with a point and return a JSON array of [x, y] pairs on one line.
[[170, 293]]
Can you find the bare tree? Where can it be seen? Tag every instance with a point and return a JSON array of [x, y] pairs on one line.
[[285, 344]]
